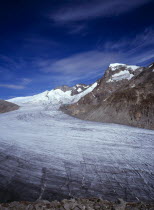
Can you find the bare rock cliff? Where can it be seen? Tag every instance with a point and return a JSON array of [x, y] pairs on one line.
[[6, 106]]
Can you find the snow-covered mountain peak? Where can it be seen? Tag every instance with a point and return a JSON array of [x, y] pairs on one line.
[[115, 66], [119, 71], [112, 65], [56, 96]]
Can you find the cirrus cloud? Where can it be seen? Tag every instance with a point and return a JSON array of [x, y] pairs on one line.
[[95, 8], [11, 86], [91, 64]]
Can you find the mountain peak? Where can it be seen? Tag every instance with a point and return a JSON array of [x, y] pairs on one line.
[[120, 71], [60, 95], [124, 95], [116, 64]]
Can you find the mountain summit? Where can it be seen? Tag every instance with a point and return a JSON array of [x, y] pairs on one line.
[[58, 96], [123, 95]]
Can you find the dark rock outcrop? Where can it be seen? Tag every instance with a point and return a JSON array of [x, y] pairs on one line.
[[6, 106], [79, 88], [78, 204], [125, 101]]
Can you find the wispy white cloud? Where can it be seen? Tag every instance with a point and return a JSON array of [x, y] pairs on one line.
[[11, 86], [10, 65], [95, 8], [83, 66], [34, 43], [91, 64], [77, 29], [25, 81], [141, 40], [142, 57], [77, 63], [22, 84], [136, 50]]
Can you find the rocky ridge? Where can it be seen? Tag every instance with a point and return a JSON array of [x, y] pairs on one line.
[[6, 106], [123, 95], [78, 88], [77, 204]]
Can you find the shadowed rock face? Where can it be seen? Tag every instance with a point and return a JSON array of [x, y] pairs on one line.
[[128, 102], [6, 106]]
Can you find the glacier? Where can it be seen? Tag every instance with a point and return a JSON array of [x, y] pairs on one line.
[[46, 154]]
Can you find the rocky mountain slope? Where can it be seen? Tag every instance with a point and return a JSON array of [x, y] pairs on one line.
[[123, 95], [6, 106]]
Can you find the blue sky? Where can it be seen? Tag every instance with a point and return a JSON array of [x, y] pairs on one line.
[[47, 43]]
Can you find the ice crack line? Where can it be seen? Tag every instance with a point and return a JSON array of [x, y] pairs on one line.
[[43, 182]]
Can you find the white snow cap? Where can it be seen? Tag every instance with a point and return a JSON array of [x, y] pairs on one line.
[[127, 73], [114, 66], [54, 97]]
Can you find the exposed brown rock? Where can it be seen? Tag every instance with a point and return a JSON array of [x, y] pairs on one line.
[[77, 204], [75, 89], [6, 106]]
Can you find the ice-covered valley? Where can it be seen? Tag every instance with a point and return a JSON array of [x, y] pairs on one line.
[[46, 154]]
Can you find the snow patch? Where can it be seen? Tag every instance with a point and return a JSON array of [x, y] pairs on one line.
[[121, 75], [79, 90], [84, 86], [133, 86]]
